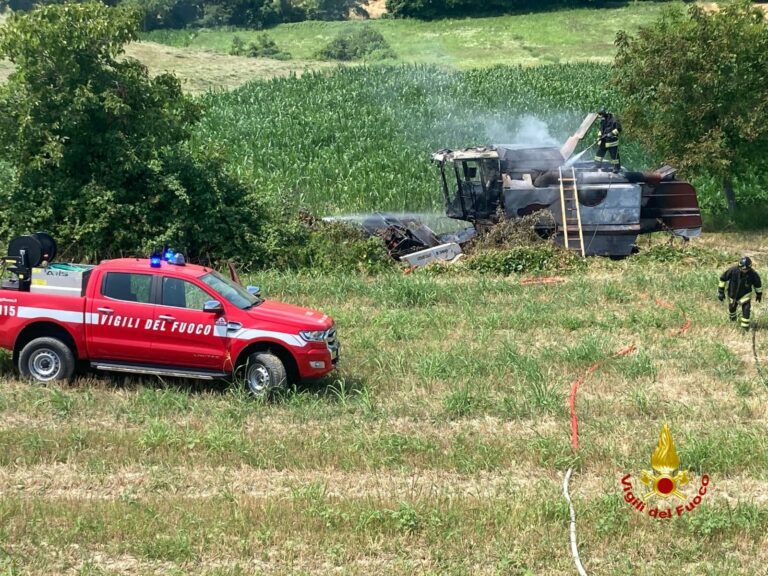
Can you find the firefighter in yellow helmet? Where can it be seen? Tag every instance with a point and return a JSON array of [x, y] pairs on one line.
[[740, 279], [608, 139]]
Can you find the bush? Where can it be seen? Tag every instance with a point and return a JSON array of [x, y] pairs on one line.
[[684, 253], [263, 47], [521, 259], [364, 42], [307, 242]]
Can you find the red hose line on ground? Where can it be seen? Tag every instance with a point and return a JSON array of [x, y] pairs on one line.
[[575, 388], [683, 329], [576, 383], [664, 304], [686, 325]]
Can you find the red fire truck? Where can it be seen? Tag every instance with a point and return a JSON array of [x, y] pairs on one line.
[[153, 316]]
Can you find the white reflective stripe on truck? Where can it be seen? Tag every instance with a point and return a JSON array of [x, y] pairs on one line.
[[95, 319], [60, 315], [248, 334]]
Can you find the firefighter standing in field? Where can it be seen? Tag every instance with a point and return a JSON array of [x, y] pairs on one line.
[[608, 139], [741, 280]]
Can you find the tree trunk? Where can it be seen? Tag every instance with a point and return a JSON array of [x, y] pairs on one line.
[[730, 195]]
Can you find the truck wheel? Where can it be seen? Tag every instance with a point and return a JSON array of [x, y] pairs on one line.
[[264, 372], [46, 359]]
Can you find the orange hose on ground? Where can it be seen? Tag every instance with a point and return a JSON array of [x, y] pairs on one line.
[[575, 388], [664, 304], [575, 429], [683, 329], [576, 383]]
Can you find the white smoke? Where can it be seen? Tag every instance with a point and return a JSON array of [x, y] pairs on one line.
[[534, 132], [527, 131]]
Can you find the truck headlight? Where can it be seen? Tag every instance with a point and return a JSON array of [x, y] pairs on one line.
[[313, 335]]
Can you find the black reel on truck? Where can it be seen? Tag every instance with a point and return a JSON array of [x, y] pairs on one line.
[[25, 253]]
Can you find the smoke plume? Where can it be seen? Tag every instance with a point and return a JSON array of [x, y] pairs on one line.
[[528, 131]]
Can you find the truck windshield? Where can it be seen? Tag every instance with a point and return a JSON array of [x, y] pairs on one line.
[[233, 293]]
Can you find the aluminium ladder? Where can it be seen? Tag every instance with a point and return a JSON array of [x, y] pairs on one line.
[[569, 204]]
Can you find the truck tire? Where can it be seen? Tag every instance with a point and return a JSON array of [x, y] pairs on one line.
[[46, 359], [264, 373]]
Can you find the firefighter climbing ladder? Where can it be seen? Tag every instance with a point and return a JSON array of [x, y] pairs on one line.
[[569, 203]]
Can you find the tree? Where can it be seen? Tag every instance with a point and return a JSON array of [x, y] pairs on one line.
[[100, 148], [696, 84]]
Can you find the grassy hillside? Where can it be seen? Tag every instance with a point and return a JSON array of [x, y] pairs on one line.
[[201, 70], [439, 447], [201, 57], [563, 36]]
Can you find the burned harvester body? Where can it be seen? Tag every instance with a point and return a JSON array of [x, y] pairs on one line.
[[479, 184]]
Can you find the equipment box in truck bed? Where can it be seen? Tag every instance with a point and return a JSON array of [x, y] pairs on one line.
[[61, 279]]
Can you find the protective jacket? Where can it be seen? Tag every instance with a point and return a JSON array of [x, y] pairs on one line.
[[740, 283], [610, 127]]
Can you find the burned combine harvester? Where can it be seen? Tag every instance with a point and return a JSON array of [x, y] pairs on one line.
[[593, 211]]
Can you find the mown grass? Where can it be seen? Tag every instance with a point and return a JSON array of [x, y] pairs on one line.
[[439, 446], [202, 71]]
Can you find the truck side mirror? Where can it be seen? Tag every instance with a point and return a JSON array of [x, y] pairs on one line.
[[254, 290], [213, 306]]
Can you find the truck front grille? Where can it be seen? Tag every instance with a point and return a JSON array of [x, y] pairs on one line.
[[333, 343]]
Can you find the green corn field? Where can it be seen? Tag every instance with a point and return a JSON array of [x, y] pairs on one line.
[[359, 139]]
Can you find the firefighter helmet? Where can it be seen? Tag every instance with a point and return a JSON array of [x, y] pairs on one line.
[[745, 262], [603, 111]]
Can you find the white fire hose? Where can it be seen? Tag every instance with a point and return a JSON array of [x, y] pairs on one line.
[[572, 526]]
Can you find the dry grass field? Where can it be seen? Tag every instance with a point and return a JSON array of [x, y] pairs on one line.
[[438, 448], [202, 70]]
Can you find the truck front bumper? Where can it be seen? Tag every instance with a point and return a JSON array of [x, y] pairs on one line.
[[317, 362]]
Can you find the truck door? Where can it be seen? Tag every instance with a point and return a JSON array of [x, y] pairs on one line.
[[185, 335], [118, 316]]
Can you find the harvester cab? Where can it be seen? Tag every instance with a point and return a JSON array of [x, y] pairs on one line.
[[471, 182]]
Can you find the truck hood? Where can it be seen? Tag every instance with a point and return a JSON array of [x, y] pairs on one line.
[[295, 316]]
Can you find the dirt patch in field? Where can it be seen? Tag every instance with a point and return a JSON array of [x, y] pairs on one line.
[[376, 8], [200, 71], [714, 7]]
